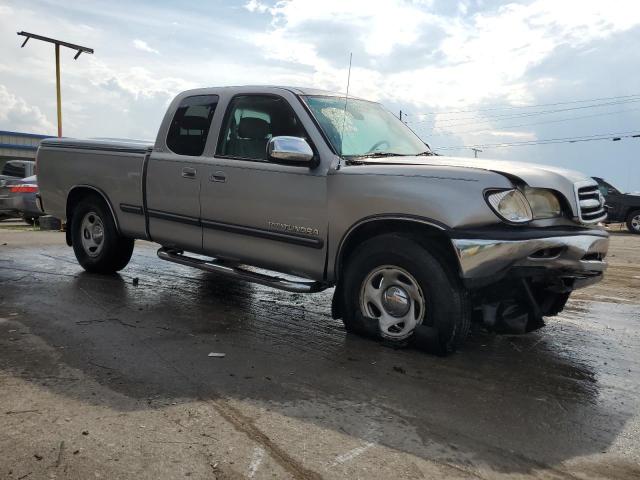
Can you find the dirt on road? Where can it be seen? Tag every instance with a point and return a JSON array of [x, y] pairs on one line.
[[110, 377]]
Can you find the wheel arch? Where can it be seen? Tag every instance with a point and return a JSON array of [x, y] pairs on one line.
[[430, 232], [629, 210], [77, 193]]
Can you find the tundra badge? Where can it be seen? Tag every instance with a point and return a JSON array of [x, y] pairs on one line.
[[285, 227]]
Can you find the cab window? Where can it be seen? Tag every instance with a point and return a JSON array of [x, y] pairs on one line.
[[190, 125], [251, 121]]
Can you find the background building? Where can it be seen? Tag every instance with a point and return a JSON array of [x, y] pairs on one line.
[[17, 145]]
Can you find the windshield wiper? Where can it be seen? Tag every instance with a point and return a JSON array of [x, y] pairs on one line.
[[375, 155], [426, 153]]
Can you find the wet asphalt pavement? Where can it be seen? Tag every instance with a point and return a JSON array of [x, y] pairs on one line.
[[295, 396]]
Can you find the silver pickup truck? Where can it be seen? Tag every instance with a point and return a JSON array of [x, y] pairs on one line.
[[303, 190]]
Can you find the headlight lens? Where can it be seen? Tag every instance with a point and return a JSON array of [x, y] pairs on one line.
[[544, 203], [511, 205]]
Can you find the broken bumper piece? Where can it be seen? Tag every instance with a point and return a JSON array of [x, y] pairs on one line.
[[575, 255]]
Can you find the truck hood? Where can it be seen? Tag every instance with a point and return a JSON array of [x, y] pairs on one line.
[[534, 175], [528, 172]]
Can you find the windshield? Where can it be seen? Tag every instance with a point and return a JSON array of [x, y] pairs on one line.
[[605, 187], [367, 129]]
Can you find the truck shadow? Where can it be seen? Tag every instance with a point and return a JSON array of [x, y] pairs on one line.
[[515, 404]]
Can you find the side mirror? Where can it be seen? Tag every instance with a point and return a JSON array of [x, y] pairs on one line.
[[290, 151]]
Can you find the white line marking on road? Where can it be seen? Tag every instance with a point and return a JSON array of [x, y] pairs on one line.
[[351, 454], [256, 460], [607, 297]]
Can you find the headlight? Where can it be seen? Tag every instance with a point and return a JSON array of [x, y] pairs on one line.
[[544, 203], [511, 205]]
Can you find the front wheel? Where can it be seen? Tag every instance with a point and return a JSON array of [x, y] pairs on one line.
[[96, 242], [633, 222], [396, 282]]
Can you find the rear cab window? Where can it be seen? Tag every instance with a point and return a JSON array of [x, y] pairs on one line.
[[190, 125]]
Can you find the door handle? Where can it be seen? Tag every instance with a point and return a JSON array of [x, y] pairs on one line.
[[218, 177], [188, 172]]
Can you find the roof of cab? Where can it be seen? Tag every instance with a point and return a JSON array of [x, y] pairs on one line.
[[245, 88]]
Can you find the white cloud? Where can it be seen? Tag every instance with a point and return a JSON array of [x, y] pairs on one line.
[[522, 136], [256, 6], [144, 46], [18, 115], [416, 54], [379, 26], [484, 56]]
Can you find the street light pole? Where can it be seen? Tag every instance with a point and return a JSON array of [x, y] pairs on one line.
[[58, 94], [78, 48]]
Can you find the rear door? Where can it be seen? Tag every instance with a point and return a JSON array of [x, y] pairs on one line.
[[174, 176], [258, 212]]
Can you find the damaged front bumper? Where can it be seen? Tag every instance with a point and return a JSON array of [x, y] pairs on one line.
[[487, 256]]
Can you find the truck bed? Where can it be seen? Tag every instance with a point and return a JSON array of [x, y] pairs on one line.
[[108, 165]]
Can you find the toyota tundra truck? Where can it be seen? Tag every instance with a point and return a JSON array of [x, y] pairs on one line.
[[304, 190]]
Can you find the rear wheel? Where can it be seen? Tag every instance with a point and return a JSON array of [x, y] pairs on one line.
[[96, 242], [394, 281], [633, 222]]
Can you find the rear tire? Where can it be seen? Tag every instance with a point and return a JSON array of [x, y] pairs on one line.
[[96, 242], [633, 222], [395, 281]]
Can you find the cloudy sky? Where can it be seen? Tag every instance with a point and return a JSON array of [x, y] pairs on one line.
[[467, 72]]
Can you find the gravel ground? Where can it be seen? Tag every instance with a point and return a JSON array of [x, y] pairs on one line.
[[107, 377]]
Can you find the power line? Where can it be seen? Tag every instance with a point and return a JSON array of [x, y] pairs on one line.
[[456, 122], [584, 138], [511, 107], [536, 123], [611, 136]]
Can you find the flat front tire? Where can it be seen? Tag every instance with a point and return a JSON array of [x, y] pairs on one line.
[[96, 243], [395, 281]]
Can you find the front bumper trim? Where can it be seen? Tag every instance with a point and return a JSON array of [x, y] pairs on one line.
[[575, 255]]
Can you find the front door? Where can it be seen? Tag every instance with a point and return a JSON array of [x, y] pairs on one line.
[[174, 177], [257, 212]]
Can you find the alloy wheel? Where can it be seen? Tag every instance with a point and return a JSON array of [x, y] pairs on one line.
[[393, 297]]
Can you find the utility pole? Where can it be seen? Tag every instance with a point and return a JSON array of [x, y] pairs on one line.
[[79, 49], [476, 151]]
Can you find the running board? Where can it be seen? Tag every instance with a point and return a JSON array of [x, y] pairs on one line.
[[213, 266]]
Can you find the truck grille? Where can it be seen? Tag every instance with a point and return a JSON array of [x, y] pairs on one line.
[[590, 204]]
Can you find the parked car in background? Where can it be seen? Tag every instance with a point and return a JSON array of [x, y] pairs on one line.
[[19, 199], [622, 207], [14, 170]]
